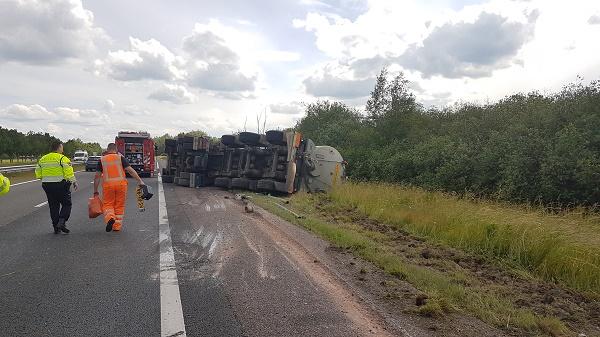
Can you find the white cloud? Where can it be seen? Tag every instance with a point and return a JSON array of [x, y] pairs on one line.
[[221, 77], [204, 45], [293, 108], [176, 94], [46, 31], [522, 48], [332, 86], [469, 49], [108, 105], [24, 112], [146, 60], [60, 115]]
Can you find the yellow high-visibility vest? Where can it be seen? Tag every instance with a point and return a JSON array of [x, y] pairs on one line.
[[4, 184], [54, 167]]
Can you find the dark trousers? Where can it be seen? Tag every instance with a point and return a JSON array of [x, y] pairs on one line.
[[59, 200]]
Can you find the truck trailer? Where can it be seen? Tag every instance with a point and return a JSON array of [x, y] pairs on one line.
[[277, 161]]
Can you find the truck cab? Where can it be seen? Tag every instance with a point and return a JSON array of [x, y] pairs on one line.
[[138, 148]]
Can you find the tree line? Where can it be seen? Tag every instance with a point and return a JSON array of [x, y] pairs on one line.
[[15, 144], [527, 147]]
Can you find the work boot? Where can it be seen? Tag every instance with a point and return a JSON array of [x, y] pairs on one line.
[[56, 229], [61, 226], [109, 225]]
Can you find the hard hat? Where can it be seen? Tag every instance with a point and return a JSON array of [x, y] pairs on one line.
[[6, 185]]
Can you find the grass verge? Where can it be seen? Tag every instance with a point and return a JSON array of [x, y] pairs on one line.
[[447, 292], [564, 248]]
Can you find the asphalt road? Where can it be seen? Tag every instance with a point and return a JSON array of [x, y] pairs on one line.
[[235, 273]]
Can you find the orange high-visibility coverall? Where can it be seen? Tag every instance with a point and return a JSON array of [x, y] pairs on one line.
[[114, 189]]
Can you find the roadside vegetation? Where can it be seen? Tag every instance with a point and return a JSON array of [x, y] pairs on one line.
[[487, 208], [561, 248], [504, 266], [527, 148], [15, 144]]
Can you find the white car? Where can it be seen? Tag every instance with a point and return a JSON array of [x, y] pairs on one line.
[[80, 156]]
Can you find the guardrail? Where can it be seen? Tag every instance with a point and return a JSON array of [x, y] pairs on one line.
[[19, 168]]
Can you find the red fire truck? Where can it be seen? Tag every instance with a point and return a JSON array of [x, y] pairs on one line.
[[138, 148]]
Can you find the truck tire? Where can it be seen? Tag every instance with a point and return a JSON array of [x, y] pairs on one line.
[[265, 185], [253, 173], [280, 176], [281, 187], [249, 138], [240, 183], [223, 182], [228, 140], [252, 184], [276, 137], [167, 179]]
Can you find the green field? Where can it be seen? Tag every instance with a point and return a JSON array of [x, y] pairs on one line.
[[15, 162]]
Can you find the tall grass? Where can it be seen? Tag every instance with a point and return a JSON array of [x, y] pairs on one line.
[[445, 290], [564, 248]]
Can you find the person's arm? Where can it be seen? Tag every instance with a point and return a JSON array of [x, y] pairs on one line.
[[134, 174], [68, 172], [38, 171]]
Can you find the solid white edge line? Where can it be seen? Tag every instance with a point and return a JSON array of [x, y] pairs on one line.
[[171, 312]]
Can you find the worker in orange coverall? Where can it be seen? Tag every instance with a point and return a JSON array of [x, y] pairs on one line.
[[111, 170]]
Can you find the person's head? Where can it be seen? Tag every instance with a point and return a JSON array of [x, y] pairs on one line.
[[111, 148], [57, 147]]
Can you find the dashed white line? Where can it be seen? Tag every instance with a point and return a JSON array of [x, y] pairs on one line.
[[171, 313], [42, 204]]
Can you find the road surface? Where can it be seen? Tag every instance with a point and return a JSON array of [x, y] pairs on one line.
[[192, 264]]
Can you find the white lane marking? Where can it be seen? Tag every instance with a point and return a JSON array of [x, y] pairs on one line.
[[25, 182], [171, 313], [31, 181], [40, 205]]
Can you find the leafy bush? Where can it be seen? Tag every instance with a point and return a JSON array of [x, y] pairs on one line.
[[525, 148]]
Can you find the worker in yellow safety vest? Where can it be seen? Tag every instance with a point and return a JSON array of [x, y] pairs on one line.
[[4, 184], [56, 173]]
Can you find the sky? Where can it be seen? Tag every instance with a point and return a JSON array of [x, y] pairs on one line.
[[89, 68]]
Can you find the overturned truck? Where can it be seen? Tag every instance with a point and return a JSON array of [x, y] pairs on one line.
[[277, 161]]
